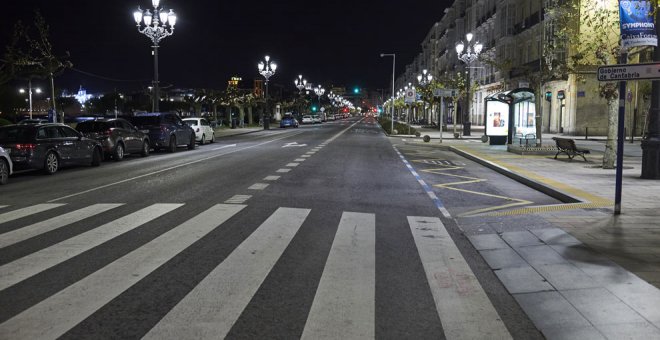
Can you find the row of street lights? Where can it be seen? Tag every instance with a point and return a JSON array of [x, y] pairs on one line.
[[465, 53]]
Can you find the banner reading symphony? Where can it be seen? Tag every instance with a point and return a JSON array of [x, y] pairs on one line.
[[637, 28]]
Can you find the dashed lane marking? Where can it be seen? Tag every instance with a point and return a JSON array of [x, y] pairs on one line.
[[258, 186], [293, 164], [238, 199], [271, 178], [283, 170]]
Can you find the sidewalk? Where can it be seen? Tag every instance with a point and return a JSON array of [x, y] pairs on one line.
[[228, 132], [571, 271]]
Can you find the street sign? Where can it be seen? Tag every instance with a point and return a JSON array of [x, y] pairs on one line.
[[445, 93], [629, 72], [410, 96]]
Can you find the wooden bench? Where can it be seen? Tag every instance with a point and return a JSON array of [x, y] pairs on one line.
[[567, 146]]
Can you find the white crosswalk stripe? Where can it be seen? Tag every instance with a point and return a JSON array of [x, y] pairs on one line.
[[344, 302], [209, 310], [25, 233], [344, 305], [25, 267], [54, 316], [464, 308], [24, 212]]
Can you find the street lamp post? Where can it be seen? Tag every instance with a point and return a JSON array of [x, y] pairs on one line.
[[467, 56], [319, 92], [157, 26], [424, 80], [267, 70], [29, 92], [393, 55], [300, 85]]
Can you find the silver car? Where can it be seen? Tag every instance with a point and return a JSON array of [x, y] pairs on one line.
[[6, 167]]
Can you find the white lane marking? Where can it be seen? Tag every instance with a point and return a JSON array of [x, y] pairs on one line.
[[212, 307], [30, 265], [464, 308], [224, 147], [306, 156], [310, 152], [344, 304], [238, 199], [283, 170], [293, 164], [3, 206], [294, 144], [24, 212], [258, 186], [172, 168], [59, 313], [299, 160], [272, 178], [33, 230]]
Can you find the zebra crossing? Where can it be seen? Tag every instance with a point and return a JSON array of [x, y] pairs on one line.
[[344, 305]]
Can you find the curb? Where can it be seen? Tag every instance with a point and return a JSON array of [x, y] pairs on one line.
[[238, 134], [550, 191]]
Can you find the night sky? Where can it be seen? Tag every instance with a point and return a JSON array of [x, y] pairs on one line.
[[332, 42]]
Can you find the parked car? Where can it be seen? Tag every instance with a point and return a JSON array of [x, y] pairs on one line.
[[307, 119], [288, 120], [316, 119], [6, 166], [48, 147], [203, 130], [165, 130], [117, 136]]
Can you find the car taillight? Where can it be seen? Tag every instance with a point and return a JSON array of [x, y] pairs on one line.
[[163, 128], [25, 147]]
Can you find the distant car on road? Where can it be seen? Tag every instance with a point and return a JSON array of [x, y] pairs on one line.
[[33, 121], [117, 136], [316, 119], [6, 166], [288, 120], [165, 130], [203, 130], [48, 147], [307, 119]]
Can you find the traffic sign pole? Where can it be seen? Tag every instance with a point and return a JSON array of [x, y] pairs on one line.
[[619, 141]]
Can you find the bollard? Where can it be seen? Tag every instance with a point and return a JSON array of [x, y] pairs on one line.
[[586, 133]]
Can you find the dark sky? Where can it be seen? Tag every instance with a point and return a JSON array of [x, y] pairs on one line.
[[329, 42]]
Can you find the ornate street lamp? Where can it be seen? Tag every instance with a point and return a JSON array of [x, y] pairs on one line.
[[157, 26], [300, 83], [424, 80], [468, 56], [267, 70], [29, 92]]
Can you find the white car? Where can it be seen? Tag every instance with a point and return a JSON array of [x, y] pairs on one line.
[[6, 167], [316, 119], [203, 130], [307, 119]]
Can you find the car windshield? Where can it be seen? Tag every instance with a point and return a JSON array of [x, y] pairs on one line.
[[145, 120], [191, 122], [17, 134], [92, 126], [307, 117]]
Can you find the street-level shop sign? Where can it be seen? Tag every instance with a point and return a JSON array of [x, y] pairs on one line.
[[629, 72]]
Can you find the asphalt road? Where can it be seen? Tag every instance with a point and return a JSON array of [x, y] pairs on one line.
[[320, 231]]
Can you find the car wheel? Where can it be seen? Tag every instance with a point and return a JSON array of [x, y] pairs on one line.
[[172, 146], [212, 138], [145, 148], [191, 145], [118, 155], [96, 157], [201, 142], [52, 163], [4, 172]]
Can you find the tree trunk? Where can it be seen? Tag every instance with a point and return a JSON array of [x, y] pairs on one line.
[[241, 115], [612, 124], [539, 115], [250, 118]]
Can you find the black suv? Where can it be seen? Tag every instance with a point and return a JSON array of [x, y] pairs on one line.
[[118, 137], [165, 130]]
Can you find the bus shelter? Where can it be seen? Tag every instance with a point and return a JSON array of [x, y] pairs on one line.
[[510, 115]]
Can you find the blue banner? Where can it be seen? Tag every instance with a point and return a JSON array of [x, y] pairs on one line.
[[637, 28]]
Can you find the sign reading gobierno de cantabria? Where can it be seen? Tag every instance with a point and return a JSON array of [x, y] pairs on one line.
[[637, 28]]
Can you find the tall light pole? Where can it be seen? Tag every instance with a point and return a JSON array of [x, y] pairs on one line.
[[300, 85], [467, 56], [29, 92], [393, 55], [157, 26], [319, 92], [267, 70]]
